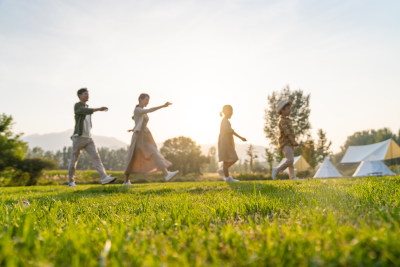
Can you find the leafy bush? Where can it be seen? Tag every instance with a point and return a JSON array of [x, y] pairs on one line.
[[184, 154], [12, 149], [31, 168]]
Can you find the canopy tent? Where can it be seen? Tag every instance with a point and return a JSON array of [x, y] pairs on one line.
[[327, 170], [372, 168], [376, 152], [300, 164]]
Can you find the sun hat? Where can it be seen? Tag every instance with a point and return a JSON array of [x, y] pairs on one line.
[[282, 104]]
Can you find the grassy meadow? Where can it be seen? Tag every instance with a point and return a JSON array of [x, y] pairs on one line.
[[333, 222], [60, 177]]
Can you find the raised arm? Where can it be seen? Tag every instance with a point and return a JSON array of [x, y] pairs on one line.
[[149, 110], [82, 110]]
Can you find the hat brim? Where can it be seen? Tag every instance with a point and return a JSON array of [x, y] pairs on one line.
[[287, 103]]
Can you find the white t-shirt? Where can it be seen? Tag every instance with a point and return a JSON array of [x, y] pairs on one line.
[[86, 126]]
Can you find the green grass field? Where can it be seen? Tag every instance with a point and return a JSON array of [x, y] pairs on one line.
[[274, 223]]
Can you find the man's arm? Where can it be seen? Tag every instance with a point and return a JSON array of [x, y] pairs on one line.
[[82, 110]]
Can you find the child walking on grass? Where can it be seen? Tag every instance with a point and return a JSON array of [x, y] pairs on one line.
[[226, 144], [286, 139]]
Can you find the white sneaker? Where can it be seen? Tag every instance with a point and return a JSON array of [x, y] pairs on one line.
[[221, 173], [297, 179], [127, 183], [170, 175], [274, 172], [229, 179], [72, 184], [108, 180]]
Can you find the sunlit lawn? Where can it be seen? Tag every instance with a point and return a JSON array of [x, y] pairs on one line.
[[315, 222]]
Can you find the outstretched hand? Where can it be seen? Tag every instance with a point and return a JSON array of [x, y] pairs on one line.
[[103, 109], [244, 139], [167, 104]]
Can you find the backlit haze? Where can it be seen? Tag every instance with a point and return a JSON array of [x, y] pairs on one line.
[[199, 55]]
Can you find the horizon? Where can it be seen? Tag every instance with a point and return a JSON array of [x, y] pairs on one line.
[[200, 55]]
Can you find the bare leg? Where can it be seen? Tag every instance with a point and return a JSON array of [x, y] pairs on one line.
[[126, 178], [226, 167], [165, 171]]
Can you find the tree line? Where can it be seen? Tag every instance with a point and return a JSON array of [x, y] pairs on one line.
[[24, 165]]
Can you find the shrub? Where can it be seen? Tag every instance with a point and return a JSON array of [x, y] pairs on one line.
[[33, 167], [184, 154]]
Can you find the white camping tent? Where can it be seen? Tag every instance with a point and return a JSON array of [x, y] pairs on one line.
[[300, 164], [372, 168], [376, 152], [327, 170]]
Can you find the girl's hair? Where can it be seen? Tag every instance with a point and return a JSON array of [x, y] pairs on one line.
[[226, 109], [141, 97]]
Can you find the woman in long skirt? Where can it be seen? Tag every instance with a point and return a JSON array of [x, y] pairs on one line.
[[143, 155]]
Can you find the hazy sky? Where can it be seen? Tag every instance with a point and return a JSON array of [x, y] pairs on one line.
[[200, 55]]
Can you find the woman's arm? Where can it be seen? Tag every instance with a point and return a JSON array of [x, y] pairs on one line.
[[149, 110]]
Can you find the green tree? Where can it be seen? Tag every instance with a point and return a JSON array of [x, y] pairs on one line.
[[36, 152], [213, 163], [314, 152], [12, 149], [184, 154], [269, 156], [309, 152], [299, 116], [323, 146], [252, 157]]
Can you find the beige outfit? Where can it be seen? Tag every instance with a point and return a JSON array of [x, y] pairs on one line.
[[143, 155], [79, 143], [285, 131], [289, 155], [226, 144]]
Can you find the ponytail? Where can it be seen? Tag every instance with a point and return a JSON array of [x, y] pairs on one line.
[[226, 109]]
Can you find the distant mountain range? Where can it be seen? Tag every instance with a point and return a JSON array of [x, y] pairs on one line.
[[56, 141]]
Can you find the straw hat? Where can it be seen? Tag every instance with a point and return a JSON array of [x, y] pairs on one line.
[[281, 105]]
